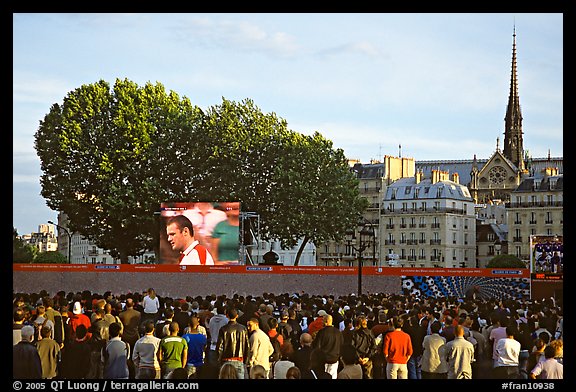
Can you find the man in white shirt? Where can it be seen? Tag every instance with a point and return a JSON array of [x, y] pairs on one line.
[[180, 234], [507, 355]]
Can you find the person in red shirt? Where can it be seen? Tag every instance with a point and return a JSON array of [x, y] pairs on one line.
[[397, 350], [77, 318]]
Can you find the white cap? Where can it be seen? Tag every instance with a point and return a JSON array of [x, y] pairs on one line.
[[77, 308], [322, 313]]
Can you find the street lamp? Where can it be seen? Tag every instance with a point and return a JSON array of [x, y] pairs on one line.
[[364, 240], [69, 239], [497, 246]]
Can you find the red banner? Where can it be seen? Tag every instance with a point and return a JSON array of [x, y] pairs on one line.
[[274, 269]]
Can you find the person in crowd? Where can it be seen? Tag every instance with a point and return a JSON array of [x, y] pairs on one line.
[[317, 369], [115, 354], [78, 318], [99, 303], [173, 351], [182, 316], [162, 327], [397, 348], [225, 247], [549, 368], [281, 367], [260, 347], [151, 306], [76, 355], [111, 316], [329, 341], [318, 323], [216, 322], [293, 373], [497, 332], [265, 311], [18, 319], [179, 373], [507, 355], [99, 330], [379, 330], [26, 362], [181, 238], [351, 368], [460, 355], [257, 372], [434, 365], [197, 342], [233, 345], [301, 357], [42, 320], [417, 332], [558, 345], [130, 319], [145, 354], [228, 371], [49, 351], [365, 344]]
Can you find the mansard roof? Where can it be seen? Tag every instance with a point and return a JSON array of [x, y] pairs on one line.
[[408, 189]]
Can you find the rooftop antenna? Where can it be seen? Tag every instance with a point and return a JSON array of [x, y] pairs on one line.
[[399, 151]]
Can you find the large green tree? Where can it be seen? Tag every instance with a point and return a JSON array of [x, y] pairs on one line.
[[21, 251], [111, 156], [317, 197], [506, 261]]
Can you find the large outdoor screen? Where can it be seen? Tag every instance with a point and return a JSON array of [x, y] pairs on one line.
[[200, 233]]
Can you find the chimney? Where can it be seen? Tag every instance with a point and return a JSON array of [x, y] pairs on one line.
[[550, 171], [434, 176], [418, 176], [456, 178]]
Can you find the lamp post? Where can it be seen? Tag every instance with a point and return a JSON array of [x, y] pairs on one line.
[[69, 239], [364, 241], [497, 246]]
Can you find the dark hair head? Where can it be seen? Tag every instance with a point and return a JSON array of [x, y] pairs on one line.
[[348, 354], [231, 312], [114, 330], [181, 222], [81, 331], [435, 327], [549, 352], [149, 326]]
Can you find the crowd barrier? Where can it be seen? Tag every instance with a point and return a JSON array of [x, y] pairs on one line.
[[180, 281]]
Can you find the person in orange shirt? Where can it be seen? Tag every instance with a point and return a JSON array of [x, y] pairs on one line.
[[397, 350]]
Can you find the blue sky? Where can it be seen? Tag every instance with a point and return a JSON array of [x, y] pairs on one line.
[[436, 84]]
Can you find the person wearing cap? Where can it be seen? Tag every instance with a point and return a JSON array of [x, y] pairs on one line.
[[26, 362], [283, 327], [76, 318], [318, 323]]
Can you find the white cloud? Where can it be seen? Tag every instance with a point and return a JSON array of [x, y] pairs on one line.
[[238, 35]]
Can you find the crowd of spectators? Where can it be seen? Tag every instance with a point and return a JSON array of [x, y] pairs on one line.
[[144, 335]]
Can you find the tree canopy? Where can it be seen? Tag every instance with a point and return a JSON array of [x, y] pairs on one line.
[[506, 261], [110, 156]]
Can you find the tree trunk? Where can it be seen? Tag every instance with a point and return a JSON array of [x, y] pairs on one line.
[[300, 250]]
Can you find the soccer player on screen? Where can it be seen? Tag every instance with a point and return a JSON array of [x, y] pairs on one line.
[[180, 234]]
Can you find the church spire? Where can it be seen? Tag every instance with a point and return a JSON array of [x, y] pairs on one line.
[[513, 140]]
